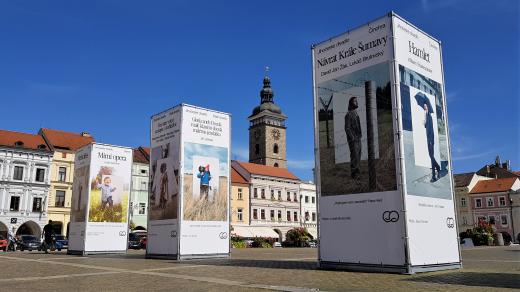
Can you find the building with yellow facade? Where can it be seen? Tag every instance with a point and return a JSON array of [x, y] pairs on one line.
[[239, 199], [64, 145]]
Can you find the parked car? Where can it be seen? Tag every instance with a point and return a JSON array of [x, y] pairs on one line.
[[313, 243], [134, 241], [60, 242], [3, 243], [277, 244], [29, 242]]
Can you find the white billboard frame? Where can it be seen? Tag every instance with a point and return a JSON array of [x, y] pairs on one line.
[[407, 266], [86, 225], [180, 221]]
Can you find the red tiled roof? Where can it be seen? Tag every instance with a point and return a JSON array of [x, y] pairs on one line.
[[237, 178], [267, 170], [65, 140], [139, 156], [517, 172], [28, 141], [146, 151], [493, 185]]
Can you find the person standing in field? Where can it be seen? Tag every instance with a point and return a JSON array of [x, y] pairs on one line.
[[204, 176], [353, 131]]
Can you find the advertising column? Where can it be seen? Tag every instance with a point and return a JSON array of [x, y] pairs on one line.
[[205, 180], [432, 233], [164, 184], [361, 214], [100, 199]]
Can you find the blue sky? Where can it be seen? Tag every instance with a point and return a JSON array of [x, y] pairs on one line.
[[106, 66]]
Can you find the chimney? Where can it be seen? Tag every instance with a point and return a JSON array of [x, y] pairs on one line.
[[85, 134], [488, 171]]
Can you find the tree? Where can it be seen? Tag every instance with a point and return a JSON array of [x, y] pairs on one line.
[[297, 236]]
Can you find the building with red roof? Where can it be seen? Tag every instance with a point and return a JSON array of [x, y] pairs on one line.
[[25, 169], [139, 190]]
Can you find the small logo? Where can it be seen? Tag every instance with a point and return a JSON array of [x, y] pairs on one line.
[[450, 222], [222, 235], [173, 233], [390, 216], [122, 233], [14, 220]]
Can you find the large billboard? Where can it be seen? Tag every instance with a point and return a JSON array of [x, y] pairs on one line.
[[359, 155], [193, 220], [99, 211]]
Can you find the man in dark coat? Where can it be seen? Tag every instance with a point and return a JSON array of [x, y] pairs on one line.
[[48, 233], [353, 131], [428, 124]]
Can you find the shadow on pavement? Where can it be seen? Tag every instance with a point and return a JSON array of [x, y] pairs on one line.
[[494, 280], [253, 263]]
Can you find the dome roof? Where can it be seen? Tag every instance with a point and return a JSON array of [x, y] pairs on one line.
[[267, 106]]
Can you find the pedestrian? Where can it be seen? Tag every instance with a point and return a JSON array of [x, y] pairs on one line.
[[48, 233], [353, 132]]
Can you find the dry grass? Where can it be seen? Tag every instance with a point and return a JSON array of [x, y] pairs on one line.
[[202, 210], [170, 212], [118, 212]]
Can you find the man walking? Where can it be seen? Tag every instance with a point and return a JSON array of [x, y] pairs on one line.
[[428, 124], [353, 131], [47, 236]]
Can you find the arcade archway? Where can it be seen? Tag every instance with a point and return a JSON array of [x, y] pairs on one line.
[[29, 228], [3, 230]]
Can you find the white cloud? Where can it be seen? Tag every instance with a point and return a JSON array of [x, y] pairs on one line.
[[240, 153]]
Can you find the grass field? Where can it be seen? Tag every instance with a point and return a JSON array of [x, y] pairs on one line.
[[118, 213], [197, 209]]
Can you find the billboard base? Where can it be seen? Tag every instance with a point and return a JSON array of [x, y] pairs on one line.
[[75, 252], [433, 268], [362, 267], [204, 256], [161, 256], [105, 252]]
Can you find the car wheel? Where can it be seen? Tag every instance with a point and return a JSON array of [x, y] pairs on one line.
[[59, 249], [21, 249]]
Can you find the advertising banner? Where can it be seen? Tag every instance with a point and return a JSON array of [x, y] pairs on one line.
[[360, 207], [164, 184], [101, 198], [206, 182], [382, 151], [428, 184], [189, 193]]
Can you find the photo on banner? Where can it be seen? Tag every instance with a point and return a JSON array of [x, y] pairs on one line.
[[164, 183], [206, 180], [80, 193], [356, 133], [109, 193], [424, 135]]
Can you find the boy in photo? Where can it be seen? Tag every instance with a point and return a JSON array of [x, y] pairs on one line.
[[106, 192], [204, 176]]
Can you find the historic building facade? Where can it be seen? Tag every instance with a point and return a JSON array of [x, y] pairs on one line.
[[25, 166], [239, 200], [274, 205], [308, 210], [64, 145], [139, 191], [267, 140]]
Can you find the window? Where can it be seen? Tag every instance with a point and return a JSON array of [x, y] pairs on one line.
[[307, 216], [40, 174], [142, 208], [295, 197], [503, 220], [502, 201], [272, 194], [257, 149], [63, 155], [18, 173], [15, 203], [492, 220], [275, 164], [295, 216], [313, 200], [275, 148], [239, 194], [239, 214], [37, 205], [143, 171], [255, 214], [490, 202], [60, 199], [272, 215], [463, 202], [263, 193], [478, 203], [262, 214], [144, 186], [306, 199], [279, 215], [255, 193], [279, 195], [464, 220], [313, 216], [288, 215], [62, 174]]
